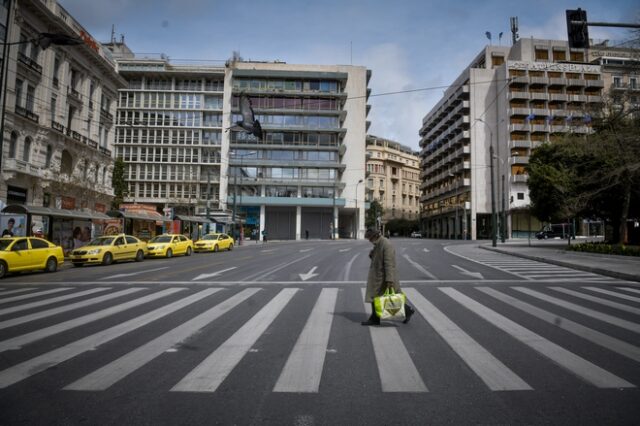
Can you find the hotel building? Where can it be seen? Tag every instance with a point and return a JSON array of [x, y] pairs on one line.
[[512, 99], [393, 178]]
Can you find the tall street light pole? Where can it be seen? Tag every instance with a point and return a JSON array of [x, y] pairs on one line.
[[357, 221], [494, 224]]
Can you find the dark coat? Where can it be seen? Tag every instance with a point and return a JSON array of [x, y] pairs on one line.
[[382, 269]]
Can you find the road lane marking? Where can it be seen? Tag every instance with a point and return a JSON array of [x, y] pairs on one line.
[[213, 274], [40, 363], [633, 290], [55, 311], [582, 310], [303, 369], [115, 371], [598, 300], [19, 341], [344, 250], [211, 372], [133, 273], [306, 250], [419, 267], [582, 368], [397, 371], [614, 294], [496, 375], [51, 301], [263, 274], [308, 275], [476, 275], [32, 295], [594, 336], [347, 268]]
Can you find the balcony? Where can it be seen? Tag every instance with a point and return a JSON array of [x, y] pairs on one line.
[[538, 127], [518, 95], [518, 160], [106, 115], [519, 178], [557, 81], [594, 99], [519, 127], [29, 63], [576, 98], [539, 96], [557, 97], [19, 166], [595, 83], [57, 126], [539, 81], [574, 82], [23, 112], [519, 144], [519, 111], [105, 151], [73, 95]]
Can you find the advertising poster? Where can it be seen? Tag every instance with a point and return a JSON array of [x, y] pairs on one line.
[[112, 227], [13, 225]]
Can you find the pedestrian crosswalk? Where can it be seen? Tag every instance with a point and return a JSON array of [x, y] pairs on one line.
[[600, 322], [524, 268]]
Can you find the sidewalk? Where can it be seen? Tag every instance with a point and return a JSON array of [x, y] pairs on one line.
[[554, 252]]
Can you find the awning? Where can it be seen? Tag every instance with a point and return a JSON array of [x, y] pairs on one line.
[[48, 211], [139, 215], [196, 219]]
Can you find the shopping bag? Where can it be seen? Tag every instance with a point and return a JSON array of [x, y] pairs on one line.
[[390, 306]]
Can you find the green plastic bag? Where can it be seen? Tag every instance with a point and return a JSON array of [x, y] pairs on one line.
[[390, 306]]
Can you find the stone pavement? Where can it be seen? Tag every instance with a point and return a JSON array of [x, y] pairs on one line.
[[554, 252]]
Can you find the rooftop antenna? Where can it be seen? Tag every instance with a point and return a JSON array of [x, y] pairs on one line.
[[122, 38], [113, 33], [514, 29]]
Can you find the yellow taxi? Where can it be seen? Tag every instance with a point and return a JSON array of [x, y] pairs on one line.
[[214, 242], [169, 245], [108, 249], [27, 254]]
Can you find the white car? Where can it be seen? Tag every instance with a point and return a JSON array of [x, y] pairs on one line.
[[416, 234]]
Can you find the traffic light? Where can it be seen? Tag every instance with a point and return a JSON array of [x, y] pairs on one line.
[[577, 30]]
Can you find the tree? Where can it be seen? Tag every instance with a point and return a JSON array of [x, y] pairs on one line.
[[120, 187], [374, 212]]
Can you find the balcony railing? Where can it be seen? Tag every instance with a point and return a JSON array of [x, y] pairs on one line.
[[15, 165], [27, 114], [24, 59], [106, 114], [105, 151], [73, 94]]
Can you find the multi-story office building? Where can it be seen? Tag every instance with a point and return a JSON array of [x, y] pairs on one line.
[[620, 72], [302, 176], [509, 100], [305, 174], [58, 118], [393, 178]]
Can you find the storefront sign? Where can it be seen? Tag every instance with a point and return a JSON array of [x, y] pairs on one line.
[[68, 203], [16, 194], [552, 66]]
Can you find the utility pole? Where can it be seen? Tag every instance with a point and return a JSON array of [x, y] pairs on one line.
[[494, 224], [503, 215], [208, 199]]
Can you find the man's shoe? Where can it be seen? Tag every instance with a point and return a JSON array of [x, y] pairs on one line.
[[408, 312], [371, 321]]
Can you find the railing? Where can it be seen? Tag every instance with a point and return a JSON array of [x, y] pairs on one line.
[[29, 62], [57, 126], [27, 114], [13, 164], [106, 114], [73, 94]]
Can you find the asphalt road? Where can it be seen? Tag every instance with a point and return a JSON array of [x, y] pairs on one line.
[[270, 334]]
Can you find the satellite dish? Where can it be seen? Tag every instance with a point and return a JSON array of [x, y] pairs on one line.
[[342, 150]]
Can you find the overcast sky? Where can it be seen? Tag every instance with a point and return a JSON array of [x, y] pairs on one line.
[[408, 44]]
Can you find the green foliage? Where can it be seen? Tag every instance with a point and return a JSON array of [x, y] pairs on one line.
[[603, 248], [374, 211], [119, 183]]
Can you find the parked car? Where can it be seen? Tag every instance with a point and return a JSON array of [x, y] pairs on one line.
[[416, 234], [214, 242], [553, 231], [108, 249], [169, 245], [29, 254]]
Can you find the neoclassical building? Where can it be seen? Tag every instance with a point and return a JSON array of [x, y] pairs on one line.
[[393, 178]]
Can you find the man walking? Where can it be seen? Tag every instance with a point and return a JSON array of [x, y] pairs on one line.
[[382, 274]]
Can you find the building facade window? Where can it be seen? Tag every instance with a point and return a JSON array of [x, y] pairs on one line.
[[26, 154], [13, 143]]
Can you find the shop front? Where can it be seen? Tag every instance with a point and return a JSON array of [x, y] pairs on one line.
[[191, 226], [67, 228], [139, 220]]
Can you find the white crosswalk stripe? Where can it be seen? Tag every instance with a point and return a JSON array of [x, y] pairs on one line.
[[633, 290], [304, 370], [16, 291], [523, 268], [32, 295]]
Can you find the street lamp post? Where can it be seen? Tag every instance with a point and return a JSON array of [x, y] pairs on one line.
[[357, 221], [494, 224], [503, 215], [43, 40]]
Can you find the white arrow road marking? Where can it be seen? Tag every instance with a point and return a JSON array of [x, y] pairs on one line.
[[133, 273], [343, 250], [426, 250], [419, 267], [463, 271], [347, 269], [213, 274], [309, 274], [267, 251], [305, 250]]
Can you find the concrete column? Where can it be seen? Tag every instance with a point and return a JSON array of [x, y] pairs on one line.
[[335, 223], [298, 221], [262, 221]]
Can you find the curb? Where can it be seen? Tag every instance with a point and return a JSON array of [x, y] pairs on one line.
[[606, 272]]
